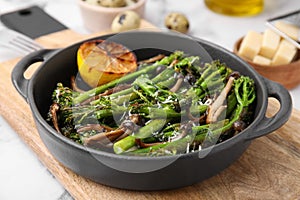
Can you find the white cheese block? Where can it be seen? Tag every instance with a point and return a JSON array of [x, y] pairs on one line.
[[258, 59], [285, 53], [250, 45], [269, 44], [290, 29]]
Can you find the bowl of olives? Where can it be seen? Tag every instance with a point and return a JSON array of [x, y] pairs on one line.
[[98, 15]]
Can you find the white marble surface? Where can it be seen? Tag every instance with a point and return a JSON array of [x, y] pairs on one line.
[[22, 175]]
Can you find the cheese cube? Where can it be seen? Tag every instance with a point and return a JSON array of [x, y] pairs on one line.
[[284, 42], [269, 44], [258, 59], [285, 53], [290, 29], [250, 45]]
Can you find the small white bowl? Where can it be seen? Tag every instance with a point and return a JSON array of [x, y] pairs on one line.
[[98, 18]]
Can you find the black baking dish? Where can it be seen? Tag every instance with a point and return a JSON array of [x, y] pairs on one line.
[[144, 173]]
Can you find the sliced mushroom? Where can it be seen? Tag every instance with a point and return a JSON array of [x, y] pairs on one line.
[[177, 85], [96, 127], [218, 112], [152, 59], [142, 144], [53, 110], [103, 138], [213, 108]]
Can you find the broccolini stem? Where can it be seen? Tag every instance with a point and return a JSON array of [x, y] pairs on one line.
[[144, 132], [162, 79]]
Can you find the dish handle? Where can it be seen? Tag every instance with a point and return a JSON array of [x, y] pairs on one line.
[[270, 124], [17, 76]]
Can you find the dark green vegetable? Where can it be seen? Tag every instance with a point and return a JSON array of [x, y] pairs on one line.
[[159, 114], [144, 132]]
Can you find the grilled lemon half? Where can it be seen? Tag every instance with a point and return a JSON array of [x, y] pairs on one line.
[[101, 61]]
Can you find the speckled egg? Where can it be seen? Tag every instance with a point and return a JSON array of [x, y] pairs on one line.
[[92, 2], [131, 2], [125, 21], [177, 22], [107, 3], [112, 3]]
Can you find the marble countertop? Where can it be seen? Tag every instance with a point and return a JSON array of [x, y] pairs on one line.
[[22, 174]]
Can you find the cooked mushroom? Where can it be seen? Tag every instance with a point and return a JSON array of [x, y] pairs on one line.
[[152, 59], [142, 144], [53, 110], [96, 127], [213, 110], [177, 85], [239, 125], [103, 138]]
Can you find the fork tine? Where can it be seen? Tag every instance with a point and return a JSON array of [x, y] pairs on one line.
[[19, 50], [26, 43], [18, 42], [18, 45], [29, 42]]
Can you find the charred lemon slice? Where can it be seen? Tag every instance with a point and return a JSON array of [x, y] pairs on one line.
[[101, 61]]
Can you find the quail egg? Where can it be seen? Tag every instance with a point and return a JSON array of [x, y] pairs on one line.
[[112, 3], [177, 22], [92, 2], [107, 3], [131, 2], [125, 21]]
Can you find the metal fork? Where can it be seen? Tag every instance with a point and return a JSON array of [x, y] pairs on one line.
[[18, 42]]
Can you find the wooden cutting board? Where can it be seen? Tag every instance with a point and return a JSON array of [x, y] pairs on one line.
[[269, 169]]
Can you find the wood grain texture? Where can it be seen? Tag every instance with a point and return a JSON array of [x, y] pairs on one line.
[[269, 169]]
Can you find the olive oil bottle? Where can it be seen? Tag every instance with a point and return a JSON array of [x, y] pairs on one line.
[[236, 7]]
